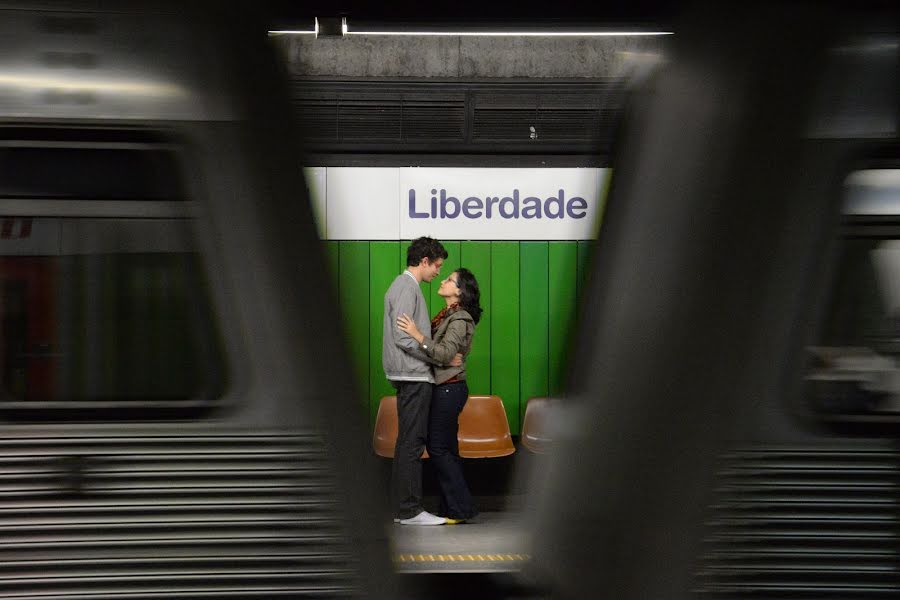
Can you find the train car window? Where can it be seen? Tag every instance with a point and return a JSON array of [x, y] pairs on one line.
[[75, 173], [102, 316], [855, 372]]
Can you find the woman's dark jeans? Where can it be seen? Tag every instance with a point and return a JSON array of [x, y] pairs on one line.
[[447, 401]]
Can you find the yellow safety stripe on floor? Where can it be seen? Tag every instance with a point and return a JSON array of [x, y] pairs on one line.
[[459, 557]]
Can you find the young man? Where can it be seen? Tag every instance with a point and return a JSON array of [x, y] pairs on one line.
[[406, 367]]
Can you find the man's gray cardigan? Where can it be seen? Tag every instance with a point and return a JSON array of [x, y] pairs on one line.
[[401, 356]]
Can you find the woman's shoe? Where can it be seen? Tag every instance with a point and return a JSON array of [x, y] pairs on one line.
[[454, 521]]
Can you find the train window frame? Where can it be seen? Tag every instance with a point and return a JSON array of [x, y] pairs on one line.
[[848, 227], [218, 347]]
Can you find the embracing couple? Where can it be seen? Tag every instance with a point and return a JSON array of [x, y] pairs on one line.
[[425, 360]]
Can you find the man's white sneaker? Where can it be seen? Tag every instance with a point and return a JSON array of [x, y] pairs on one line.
[[424, 518]]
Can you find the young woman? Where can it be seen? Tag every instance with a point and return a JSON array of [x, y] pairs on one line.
[[451, 333]]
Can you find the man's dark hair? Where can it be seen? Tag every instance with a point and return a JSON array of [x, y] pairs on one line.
[[424, 247]]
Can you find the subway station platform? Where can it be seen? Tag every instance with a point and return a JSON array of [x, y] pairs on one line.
[[494, 542]]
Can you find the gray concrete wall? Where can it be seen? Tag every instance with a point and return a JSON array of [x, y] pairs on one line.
[[465, 57]]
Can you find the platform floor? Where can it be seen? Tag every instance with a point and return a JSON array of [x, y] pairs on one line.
[[494, 542]]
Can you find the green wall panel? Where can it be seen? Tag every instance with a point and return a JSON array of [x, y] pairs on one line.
[[505, 328], [450, 264], [476, 256], [426, 287], [563, 295], [354, 296], [333, 256], [401, 256], [383, 258], [529, 292], [534, 314], [585, 251]]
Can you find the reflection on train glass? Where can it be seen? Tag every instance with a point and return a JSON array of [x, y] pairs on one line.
[[104, 311], [854, 369]]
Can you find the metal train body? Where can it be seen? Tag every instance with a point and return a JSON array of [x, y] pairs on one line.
[[167, 374], [736, 416]]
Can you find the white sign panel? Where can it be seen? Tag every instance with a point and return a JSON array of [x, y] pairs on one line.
[[361, 203], [463, 203]]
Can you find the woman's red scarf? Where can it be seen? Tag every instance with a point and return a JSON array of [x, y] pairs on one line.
[[436, 321]]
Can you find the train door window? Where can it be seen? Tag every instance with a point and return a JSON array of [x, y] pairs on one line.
[[105, 312], [855, 373]]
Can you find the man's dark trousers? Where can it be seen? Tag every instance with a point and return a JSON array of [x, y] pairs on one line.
[[413, 403]]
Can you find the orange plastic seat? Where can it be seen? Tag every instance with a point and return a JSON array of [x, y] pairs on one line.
[[384, 439], [483, 429], [537, 426]]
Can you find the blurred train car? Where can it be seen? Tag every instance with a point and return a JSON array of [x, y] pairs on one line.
[[170, 360], [733, 419]]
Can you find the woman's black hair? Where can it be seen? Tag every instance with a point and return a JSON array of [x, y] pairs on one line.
[[469, 296]]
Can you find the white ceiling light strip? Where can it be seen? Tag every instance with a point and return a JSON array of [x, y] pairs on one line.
[[314, 31], [514, 33], [345, 30]]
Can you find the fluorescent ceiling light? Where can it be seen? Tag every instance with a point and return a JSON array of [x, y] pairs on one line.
[[481, 29], [314, 31], [888, 179], [515, 33], [528, 32], [70, 84]]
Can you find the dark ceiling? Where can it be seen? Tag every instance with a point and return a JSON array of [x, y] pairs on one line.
[[524, 13]]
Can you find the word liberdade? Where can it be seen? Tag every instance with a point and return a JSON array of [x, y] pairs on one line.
[[507, 207]]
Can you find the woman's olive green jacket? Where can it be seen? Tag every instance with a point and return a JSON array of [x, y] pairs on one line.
[[453, 335]]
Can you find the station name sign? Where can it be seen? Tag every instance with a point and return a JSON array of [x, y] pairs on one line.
[[363, 203], [443, 206]]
